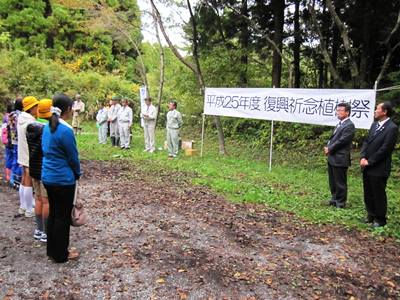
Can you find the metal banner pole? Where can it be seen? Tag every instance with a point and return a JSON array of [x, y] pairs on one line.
[[270, 145], [202, 135], [270, 142]]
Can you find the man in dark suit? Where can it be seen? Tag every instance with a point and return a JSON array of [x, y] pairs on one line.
[[338, 153], [376, 161]]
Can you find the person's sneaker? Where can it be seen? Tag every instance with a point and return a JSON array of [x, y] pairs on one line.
[[29, 214], [21, 211], [38, 234], [43, 238]]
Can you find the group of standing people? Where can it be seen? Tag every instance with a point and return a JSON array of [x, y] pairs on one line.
[[48, 157], [118, 118], [375, 160]]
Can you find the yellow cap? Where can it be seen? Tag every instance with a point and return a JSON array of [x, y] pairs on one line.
[[29, 102], [44, 108]]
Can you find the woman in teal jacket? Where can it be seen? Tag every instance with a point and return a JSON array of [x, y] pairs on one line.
[[60, 171]]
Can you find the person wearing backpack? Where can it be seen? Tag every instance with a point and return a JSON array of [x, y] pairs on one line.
[[6, 139], [25, 190], [16, 170], [34, 137]]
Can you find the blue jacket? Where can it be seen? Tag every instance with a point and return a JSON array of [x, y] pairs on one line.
[[60, 156]]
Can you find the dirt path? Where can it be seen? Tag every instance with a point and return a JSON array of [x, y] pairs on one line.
[[154, 236]]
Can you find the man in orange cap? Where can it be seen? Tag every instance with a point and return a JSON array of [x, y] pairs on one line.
[[29, 105], [34, 137]]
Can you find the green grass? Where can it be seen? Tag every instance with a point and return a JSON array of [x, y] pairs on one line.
[[297, 183]]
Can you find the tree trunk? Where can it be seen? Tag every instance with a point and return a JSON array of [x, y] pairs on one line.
[[321, 73], [346, 43], [244, 42], [366, 38], [390, 50], [297, 44], [217, 120], [324, 50], [278, 7], [335, 50], [195, 69], [48, 11], [162, 67]]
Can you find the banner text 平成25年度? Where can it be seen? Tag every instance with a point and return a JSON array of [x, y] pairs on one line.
[[311, 106]]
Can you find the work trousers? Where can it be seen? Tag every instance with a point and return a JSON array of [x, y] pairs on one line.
[[124, 134], [149, 133], [103, 128], [173, 141], [114, 129]]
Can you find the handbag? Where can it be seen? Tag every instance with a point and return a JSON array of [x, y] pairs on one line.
[[78, 215]]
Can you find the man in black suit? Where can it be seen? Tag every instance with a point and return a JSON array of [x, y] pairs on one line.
[[338, 153], [376, 161]]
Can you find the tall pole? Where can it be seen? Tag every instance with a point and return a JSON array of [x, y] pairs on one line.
[[202, 135], [270, 145]]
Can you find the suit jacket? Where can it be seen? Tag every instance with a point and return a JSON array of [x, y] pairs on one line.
[[378, 147], [339, 145]]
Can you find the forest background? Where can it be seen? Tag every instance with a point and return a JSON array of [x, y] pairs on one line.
[[96, 48]]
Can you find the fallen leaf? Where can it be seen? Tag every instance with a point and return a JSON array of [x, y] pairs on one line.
[[391, 284], [45, 296], [160, 280], [181, 270]]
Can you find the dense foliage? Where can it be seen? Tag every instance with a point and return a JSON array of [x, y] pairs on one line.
[[53, 46], [94, 47]]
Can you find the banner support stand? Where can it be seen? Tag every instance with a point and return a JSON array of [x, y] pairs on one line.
[[202, 135], [270, 145]]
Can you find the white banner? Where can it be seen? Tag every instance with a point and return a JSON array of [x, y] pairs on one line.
[[311, 106]]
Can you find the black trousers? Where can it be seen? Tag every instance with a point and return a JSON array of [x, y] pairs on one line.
[[60, 201], [338, 184], [375, 198]]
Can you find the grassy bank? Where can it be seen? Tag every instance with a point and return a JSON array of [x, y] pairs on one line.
[[297, 182]]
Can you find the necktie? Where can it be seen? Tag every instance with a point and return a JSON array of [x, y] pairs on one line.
[[376, 128], [337, 127]]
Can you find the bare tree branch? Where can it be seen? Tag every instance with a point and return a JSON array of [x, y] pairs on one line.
[[390, 50], [162, 66], [265, 34], [346, 40], [194, 68], [323, 48], [166, 37]]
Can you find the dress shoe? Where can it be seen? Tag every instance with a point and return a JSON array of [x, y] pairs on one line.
[[368, 220], [331, 202], [378, 225], [340, 205]]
